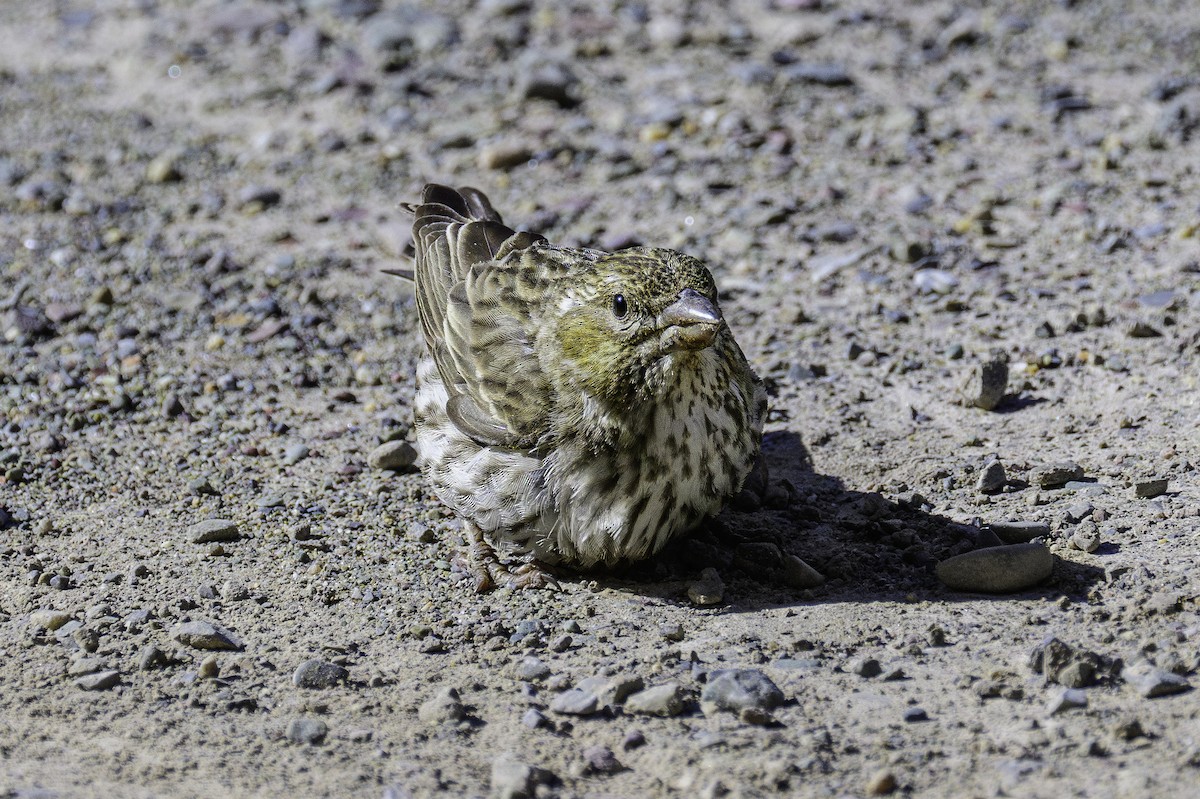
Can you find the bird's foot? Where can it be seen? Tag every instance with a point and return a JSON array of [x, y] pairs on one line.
[[490, 571]]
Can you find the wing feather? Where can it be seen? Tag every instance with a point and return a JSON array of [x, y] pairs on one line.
[[467, 261]]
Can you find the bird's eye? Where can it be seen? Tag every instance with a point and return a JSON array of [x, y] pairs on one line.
[[620, 307]]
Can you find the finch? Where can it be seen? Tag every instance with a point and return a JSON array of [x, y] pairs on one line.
[[577, 407]]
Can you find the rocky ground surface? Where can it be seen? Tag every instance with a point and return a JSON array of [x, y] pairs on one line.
[[960, 241]]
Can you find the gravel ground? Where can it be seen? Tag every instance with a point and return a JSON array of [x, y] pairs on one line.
[[961, 242]]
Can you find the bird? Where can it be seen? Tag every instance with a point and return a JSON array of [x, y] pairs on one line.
[[577, 408]]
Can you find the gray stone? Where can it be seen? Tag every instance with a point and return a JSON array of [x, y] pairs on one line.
[[213, 530], [708, 590], [1019, 532], [295, 453], [534, 719], [151, 657], [659, 700], [256, 198], [997, 570], [575, 702], [304, 730], [736, 689], [318, 674], [1148, 489], [611, 690], [49, 619], [86, 665], [514, 779], [601, 760], [532, 669], [1086, 537], [393, 456], [818, 73], [1056, 475], [99, 681], [865, 667], [444, 707], [992, 478], [986, 383], [1067, 699], [1150, 681], [798, 574], [504, 155], [205, 635], [1078, 511], [1070, 667]]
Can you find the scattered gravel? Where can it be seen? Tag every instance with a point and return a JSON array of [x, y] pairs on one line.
[[912, 215]]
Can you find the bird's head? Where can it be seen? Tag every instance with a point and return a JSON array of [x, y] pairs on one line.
[[629, 311]]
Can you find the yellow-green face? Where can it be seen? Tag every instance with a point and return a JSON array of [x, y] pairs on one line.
[[629, 310]]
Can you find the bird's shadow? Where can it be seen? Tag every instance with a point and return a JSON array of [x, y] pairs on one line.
[[868, 548]]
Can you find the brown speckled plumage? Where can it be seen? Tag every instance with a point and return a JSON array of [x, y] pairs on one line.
[[583, 406]]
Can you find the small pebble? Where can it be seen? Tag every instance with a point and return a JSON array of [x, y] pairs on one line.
[[99, 681], [865, 667], [1150, 681], [1056, 475], [213, 530], [735, 689], [319, 674], [295, 453], [204, 635], [1019, 532], [708, 590], [991, 478], [151, 657], [601, 760], [443, 707], [535, 719], [1078, 511], [1148, 489], [575, 702], [798, 574], [307, 731], [532, 669], [986, 383], [393, 456], [515, 779], [881, 783], [504, 155], [914, 714], [1086, 537], [1067, 699], [658, 700]]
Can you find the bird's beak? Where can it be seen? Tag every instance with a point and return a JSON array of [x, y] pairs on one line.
[[691, 322]]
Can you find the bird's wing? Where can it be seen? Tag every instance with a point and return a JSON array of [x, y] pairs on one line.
[[468, 266]]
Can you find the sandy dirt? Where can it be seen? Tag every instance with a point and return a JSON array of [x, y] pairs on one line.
[[196, 201]]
